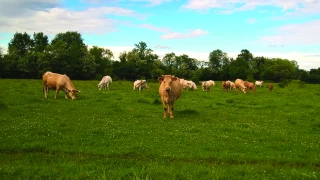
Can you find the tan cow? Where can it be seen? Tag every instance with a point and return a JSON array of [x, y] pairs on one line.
[[270, 87], [170, 90], [240, 85], [206, 85], [58, 82]]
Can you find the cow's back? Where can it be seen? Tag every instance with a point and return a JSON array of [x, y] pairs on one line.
[[54, 80]]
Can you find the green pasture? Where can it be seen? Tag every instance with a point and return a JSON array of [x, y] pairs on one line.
[[121, 133]]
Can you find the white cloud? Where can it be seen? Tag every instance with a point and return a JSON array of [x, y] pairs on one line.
[[189, 34], [295, 34], [293, 7], [57, 20]]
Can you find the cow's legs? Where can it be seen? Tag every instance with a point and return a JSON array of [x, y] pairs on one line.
[[165, 109], [45, 90], [57, 92], [171, 108], [66, 95]]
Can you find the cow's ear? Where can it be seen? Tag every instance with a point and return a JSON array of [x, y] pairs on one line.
[[160, 79], [174, 78]]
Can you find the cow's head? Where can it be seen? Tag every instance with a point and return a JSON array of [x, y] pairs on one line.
[[167, 81], [99, 86], [72, 93]]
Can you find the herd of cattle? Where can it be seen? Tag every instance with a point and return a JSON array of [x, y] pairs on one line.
[[170, 88]]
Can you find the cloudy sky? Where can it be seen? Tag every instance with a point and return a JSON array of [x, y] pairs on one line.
[[272, 28]]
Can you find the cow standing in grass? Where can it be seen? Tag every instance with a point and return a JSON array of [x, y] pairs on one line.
[[239, 83], [58, 82], [105, 83], [206, 85], [270, 87], [259, 83], [140, 84], [170, 90]]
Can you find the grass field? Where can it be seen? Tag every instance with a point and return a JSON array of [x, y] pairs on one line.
[[121, 133]]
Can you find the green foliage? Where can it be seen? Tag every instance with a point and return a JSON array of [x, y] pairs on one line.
[[283, 83], [30, 57], [121, 134]]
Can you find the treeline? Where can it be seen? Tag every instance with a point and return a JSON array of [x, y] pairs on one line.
[[31, 56]]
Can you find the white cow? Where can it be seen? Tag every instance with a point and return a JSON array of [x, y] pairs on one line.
[[259, 83], [191, 85], [140, 84], [184, 83], [206, 85], [105, 82]]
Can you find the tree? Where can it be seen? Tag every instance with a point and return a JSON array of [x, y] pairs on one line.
[[218, 59], [103, 60], [168, 61], [69, 56]]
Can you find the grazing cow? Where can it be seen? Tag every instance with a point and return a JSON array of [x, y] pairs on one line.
[[191, 85], [240, 85], [105, 82], [270, 87], [259, 83], [232, 85], [184, 83], [170, 90], [140, 84], [58, 82], [250, 86], [227, 85], [206, 85]]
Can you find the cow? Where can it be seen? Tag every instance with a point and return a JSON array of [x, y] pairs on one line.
[[191, 85], [259, 83], [227, 85], [206, 85], [239, 84], [58, 82], [249, 85], [170, 90], [140, 84], [270, 87], [105, 82], [184, 83], [232, 85]]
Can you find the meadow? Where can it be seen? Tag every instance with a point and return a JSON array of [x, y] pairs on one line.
[[121, 133]]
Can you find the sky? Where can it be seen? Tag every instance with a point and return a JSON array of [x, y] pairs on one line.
[[288, 29]]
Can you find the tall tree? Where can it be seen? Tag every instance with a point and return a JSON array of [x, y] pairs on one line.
[[69, 56], [169, 60], [103, 59], [217, 59]]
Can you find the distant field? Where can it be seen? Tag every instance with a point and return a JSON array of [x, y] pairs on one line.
[[121, 133]]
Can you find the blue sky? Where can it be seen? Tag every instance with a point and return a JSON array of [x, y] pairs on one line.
[[271, 28]]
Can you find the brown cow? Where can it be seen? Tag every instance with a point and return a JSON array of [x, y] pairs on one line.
[[170, 90], [58, 82], [249, 85], [240, 85], [270, 87]]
